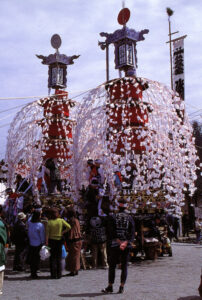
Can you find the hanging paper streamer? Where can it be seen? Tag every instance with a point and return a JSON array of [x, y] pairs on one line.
[[135, 126]]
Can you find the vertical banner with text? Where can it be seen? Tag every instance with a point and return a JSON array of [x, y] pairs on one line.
[[178, 67]]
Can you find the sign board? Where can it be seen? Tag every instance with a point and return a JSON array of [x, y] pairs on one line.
[[178, 67]]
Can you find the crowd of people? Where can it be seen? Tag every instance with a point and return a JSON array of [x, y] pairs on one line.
[[107, 237], [46, 226], [59, 230], [108, 234]]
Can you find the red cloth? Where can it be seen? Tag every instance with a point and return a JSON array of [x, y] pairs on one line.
[[93, 172], [119, 175]]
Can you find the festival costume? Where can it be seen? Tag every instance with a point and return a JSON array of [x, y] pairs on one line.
[[118, 179], [42, 182], [55, 179]]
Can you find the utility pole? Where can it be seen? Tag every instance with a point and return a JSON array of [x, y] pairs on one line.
[[170, 13], [176, 59]]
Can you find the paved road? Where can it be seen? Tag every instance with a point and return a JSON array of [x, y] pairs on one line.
[[167, 278]]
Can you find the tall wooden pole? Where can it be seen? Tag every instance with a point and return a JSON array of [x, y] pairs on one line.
[[171, 58], [107, 63], [170, 13]]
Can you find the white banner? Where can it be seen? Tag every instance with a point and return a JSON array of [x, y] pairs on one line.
[[178, 67]]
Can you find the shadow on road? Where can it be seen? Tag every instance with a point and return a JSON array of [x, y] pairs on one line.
[[190, 298], [90, 295], [23, 278]]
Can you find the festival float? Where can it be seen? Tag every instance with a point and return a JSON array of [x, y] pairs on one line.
[[40, 137], [132, 124]]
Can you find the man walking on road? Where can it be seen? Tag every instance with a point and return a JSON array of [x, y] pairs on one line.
[[120, 234]]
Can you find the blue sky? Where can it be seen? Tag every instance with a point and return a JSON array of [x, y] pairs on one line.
[[27, 27]]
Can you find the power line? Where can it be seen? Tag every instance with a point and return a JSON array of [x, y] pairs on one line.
[[5, 125], [46, 96], [191, 105], [22, 98], [192, 117], [2, 111], [194, 112], [7, 116]]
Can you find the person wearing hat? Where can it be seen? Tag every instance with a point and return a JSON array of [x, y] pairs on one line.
[[120, 234], [19, 237]]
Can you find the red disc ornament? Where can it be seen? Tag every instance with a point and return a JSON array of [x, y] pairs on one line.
[[124, 16]]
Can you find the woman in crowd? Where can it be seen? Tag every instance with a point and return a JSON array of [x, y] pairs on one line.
[[36, 234], [55, 229], [74, 242]]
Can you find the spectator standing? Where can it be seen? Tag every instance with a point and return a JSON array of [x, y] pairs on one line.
[[19, 237], [185, 224], [176, 226], [55, 229], [169, 219], [98, 238], [74, 242], [36, 234], [120, 233]]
